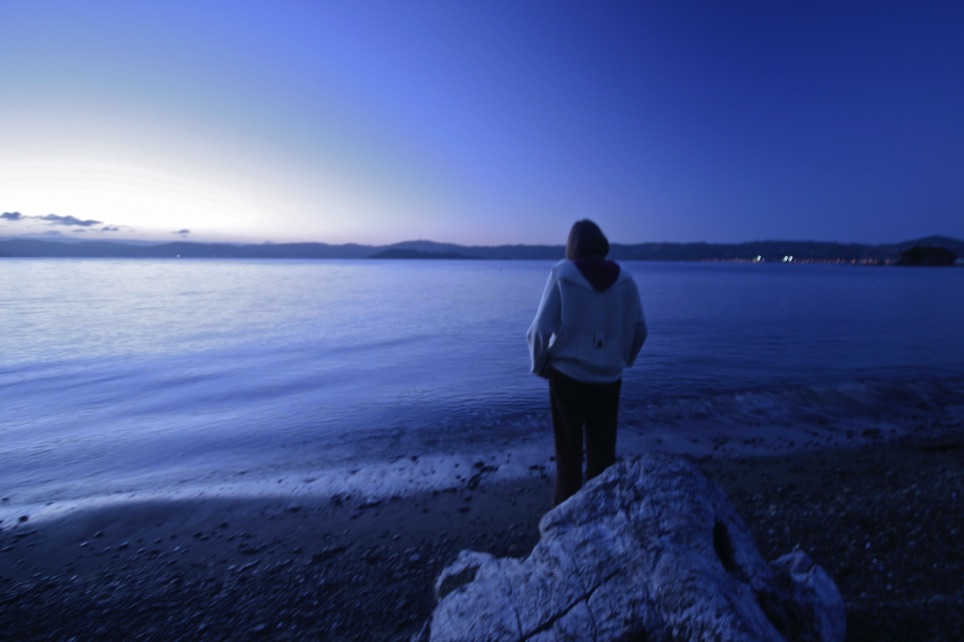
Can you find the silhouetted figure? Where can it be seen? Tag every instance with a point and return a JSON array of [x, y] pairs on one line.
[[588, 328]]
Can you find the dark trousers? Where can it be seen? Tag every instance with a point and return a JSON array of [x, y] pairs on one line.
[[582, 411]]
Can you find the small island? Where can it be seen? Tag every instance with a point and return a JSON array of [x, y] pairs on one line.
[[930, 256]]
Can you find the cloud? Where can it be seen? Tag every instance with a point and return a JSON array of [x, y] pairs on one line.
[[56, 220], [68, 220], [183, 232]]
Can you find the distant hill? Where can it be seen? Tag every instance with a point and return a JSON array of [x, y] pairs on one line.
[[404, 253], [766, 250]]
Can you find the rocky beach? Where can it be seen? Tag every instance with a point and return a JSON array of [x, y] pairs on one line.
[[882, 517]]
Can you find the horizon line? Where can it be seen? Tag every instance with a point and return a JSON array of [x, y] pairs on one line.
[[58, 238]]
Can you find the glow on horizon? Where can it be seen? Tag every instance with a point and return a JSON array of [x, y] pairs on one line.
[[480, 123]]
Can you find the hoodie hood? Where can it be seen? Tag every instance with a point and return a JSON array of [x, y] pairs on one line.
[[600, 273]]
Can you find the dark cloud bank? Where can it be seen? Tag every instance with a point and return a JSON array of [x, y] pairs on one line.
[[57, 220]]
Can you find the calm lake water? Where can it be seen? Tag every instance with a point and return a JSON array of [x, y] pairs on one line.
[[123, 378]]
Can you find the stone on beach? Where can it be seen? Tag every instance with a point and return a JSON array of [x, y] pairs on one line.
[[650, 549]]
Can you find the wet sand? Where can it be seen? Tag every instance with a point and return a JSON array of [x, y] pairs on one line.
[[883, 518]]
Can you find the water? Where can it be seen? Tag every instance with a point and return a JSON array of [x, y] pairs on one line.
[[128, 378]]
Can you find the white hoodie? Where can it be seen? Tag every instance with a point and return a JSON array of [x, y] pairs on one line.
[[587, 334]]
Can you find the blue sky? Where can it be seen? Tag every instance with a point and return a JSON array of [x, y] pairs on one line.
[[481, 122]]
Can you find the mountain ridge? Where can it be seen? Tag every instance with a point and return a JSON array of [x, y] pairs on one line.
[[768, 250]]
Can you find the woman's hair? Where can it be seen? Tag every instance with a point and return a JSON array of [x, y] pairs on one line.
[[586, 239]]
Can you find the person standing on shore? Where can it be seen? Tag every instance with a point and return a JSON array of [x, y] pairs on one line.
[[588, 328]]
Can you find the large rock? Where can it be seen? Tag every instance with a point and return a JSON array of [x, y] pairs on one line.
[[649, 550]]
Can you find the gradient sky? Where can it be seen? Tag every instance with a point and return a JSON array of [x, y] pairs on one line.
[[481, 122]]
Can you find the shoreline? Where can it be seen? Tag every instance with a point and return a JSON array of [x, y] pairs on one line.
[[882, 517]]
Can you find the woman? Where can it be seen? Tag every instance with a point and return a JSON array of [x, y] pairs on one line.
[[588, 328]]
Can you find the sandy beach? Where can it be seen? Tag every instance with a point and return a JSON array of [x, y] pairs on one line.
[[883, 518]]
